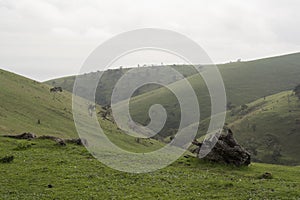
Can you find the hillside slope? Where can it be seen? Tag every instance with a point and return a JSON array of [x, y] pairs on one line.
[[270, 128], [23, 102]]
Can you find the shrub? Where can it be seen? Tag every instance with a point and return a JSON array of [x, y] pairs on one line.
[[297, 91], [7, 159], [244, 107]]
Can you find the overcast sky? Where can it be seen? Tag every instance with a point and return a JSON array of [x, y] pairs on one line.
[[43, 39]]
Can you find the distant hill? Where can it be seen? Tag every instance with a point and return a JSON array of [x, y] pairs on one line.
[[244, 83], [110, 77], [270, 128]]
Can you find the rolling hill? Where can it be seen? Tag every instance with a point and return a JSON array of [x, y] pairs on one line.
[[244, 83]]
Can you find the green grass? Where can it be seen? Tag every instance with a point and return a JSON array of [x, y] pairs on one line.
[[75, 174]]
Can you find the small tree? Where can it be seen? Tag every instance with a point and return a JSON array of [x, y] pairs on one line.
[[230, 105], [297, 91], [276, 153], [253, 127], [244, 107]]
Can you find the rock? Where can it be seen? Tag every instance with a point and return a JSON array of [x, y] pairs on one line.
[[48, 137], [56, 139], [78, 141], [60, 142], [22, 136], [226, 151]]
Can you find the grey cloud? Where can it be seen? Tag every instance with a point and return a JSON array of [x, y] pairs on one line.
[[49, 34]]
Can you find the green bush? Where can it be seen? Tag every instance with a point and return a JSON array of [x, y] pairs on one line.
[[297, 91], [7, 159]]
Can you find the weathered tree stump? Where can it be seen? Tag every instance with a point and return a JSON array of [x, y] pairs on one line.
[[226, 151]]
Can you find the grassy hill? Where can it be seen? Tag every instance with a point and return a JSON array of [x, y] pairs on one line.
[[269, 127], [56, 172], [24, 101], [244, 83]]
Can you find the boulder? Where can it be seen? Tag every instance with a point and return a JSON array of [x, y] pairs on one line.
[[225, 151], [60, 142]]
